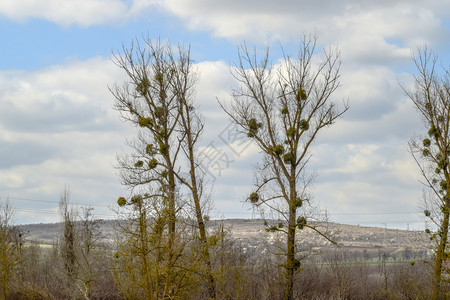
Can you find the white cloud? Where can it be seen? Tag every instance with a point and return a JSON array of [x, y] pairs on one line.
[[57, 128], [79, 12], [379, 32]]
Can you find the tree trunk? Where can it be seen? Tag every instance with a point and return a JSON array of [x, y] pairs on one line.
[[441, 253], [290, 254]]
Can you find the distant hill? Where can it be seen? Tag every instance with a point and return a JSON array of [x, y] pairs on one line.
[[250, 229]]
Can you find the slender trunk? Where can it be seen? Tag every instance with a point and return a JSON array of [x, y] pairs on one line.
[[144, 240], [290, 255], [202, 231], [199, 215], [172, 226], [441, 252]]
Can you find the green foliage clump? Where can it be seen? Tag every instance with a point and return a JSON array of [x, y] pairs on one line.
[[426, 143], [301, 222], [280, 225], [443, 185], [291, 132], [428, 231], [437, 170], [121, 201], [139, 164], [253, 126], [304, 125], [164, 173], [152, 163], [145, 122], [288, 158], [278, 149], [136, 199], [163, 148], [159, 77], [254, 198], [149, 149], [427, 212], [442, 163], [297, 264], [434, 132], [301, 95], [298, 202], [272, 229], [425, 152], [284, 111], [159, 112], [142, 86]]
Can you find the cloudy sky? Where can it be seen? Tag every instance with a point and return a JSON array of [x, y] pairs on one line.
[[58, 128]]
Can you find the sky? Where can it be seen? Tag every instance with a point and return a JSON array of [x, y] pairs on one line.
[[58, 128]]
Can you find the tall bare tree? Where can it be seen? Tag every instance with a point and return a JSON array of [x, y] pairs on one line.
[[159, 99], [282, 108], [431, 98]]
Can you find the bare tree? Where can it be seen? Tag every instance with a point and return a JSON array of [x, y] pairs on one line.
[[10, 249], [68, 215], [78, 246], [159, 99], [431, 98], [282, 108]]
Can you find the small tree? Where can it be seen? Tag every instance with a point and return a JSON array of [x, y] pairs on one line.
[[10, 249], [431, 98], [78, 246], [282, 109]]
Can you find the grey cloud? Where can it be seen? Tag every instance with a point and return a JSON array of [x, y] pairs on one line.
[[23, 153]]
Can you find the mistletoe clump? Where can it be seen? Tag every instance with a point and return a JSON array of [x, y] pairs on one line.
[[278, 149], [152, 163], [145, 122], [291, 132], [301, 222], [434, 132], [254, 198], [163, 148], [149, 149], [443, 185], [442, 163], [142, 86], [159, 78], [304, 125], [121, 201], [253, 126], [288, 158], [272, 228], [298, 202], [297, 264], [301, 95], [136, 199], [139, 164], [284, 111], [426, 143], [427, 212], [159, 112]]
